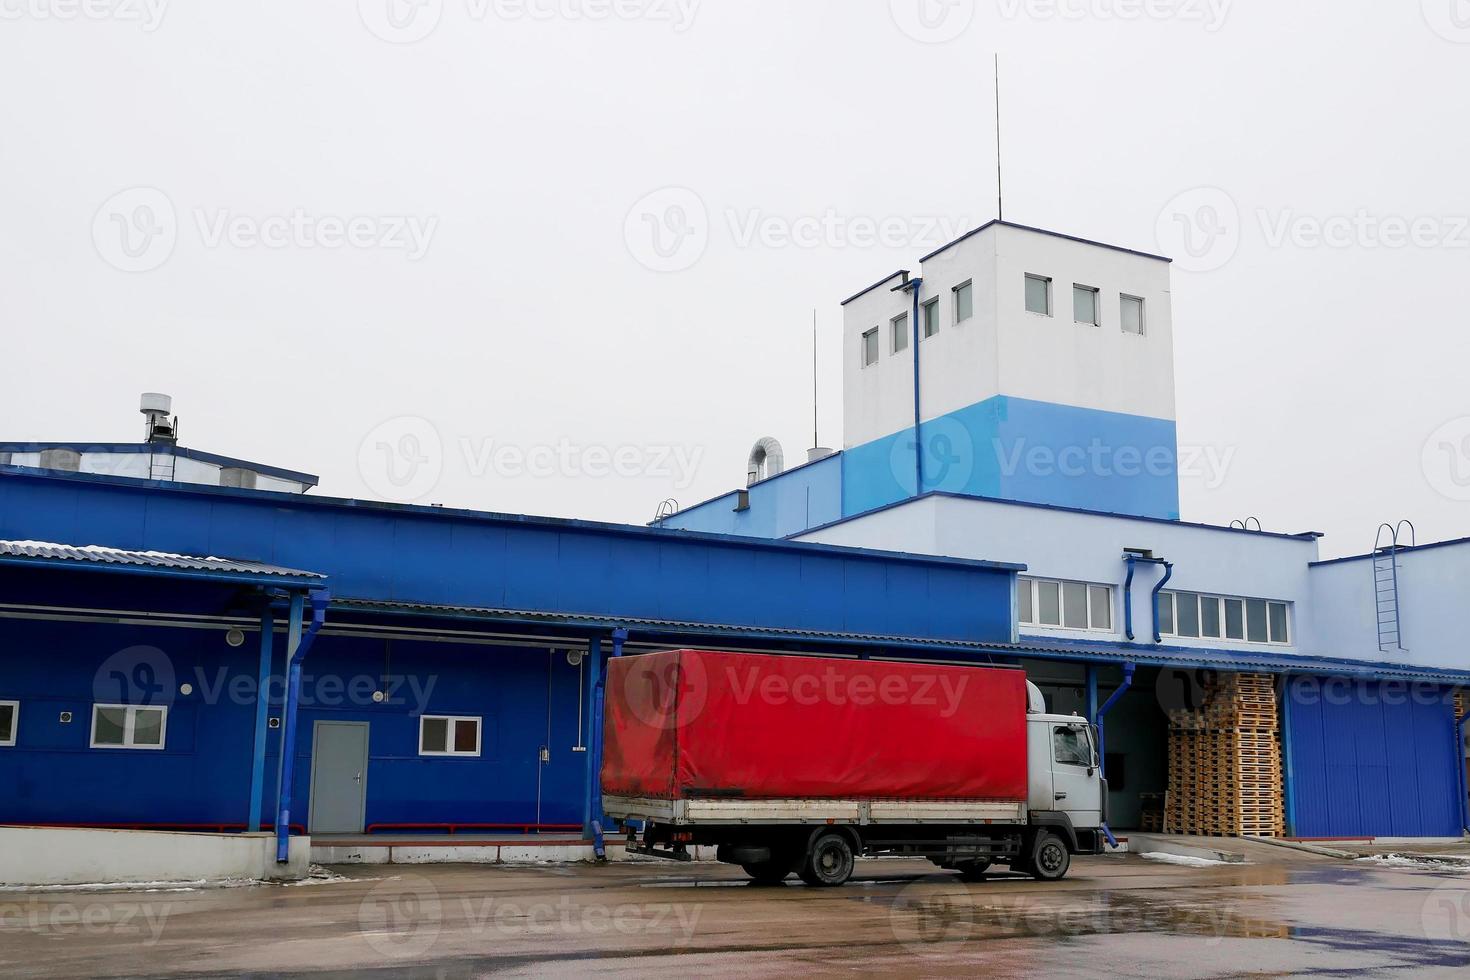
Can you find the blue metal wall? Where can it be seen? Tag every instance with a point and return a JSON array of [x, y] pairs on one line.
[[202, 776], [1369, 759], [801, 498], [460, 558], [1019, 449]]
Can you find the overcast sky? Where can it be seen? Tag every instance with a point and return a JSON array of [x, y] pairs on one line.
[[330, 227]]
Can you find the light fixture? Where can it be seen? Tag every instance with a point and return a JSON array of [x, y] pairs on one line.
[[574, 657], [235, 636]]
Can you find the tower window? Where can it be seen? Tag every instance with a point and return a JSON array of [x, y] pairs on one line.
[[931, 318], [870, 347], [964, 302], [1084, 305], [899, 329], [1038, 295], [1132, 315]]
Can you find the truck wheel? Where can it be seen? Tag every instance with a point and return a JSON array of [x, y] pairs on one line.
[[830, 862], [768, 872], [972, 870], [1049, 858]]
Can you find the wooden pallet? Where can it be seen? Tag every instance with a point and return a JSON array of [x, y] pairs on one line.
[[1225, 765]]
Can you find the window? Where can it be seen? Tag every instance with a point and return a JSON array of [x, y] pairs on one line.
[[931, 318], [1038, 295], [964, 302], [1208, 617], [1068, 605], [445, 735], [9, 718], [899, 329], [68, 460], [870, 348], [1132, 315], [1084, 305], [1071, 746], [126, 726]]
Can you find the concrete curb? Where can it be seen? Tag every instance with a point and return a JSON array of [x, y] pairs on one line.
[[1149, 844]]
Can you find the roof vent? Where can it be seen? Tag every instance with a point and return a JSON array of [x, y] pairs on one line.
[[766, 460], [158, 427]]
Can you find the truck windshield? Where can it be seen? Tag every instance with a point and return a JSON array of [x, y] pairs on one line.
[[1070, 746]]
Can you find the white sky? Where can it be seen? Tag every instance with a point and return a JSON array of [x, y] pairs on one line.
[[518, 145]]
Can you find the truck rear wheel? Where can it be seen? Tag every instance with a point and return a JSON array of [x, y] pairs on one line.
[[828, 863], [1049, 858]]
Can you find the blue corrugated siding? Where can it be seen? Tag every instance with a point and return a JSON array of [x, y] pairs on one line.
[[506, 562], [1373, 763]]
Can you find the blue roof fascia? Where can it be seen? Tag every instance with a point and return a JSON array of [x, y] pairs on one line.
[[1402, 550], [523, 520], [730, 494], [1042, 231]]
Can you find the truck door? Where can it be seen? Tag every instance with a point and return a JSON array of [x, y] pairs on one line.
[[1075, 779]]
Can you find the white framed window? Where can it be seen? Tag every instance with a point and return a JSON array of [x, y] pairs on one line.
[[1065, 605], [964, 302], [1038, 295], [129, 726], [449, 735], [931, 318], [1193, 616], [9, 722], [870, 347], [898, 331], [1084, 305], [1132, 314]]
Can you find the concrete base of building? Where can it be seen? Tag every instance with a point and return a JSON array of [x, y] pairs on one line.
[[458, 849], [32, 856]]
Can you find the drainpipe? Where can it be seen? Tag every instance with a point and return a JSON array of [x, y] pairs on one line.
[[1460, 770], [1128, 669], [298, 647], [1154, 599], [262, 719], [1133, 561], [913, 285]]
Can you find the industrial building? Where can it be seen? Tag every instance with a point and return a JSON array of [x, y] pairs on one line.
[[1015, 401], [196, 642]]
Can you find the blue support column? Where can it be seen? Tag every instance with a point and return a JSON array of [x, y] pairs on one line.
[[1092, 694], [591, 817], [262, 719]]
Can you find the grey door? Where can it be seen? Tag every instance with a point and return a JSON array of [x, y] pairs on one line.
[[339, 758]]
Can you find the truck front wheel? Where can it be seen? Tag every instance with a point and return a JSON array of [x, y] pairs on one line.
[[1050, 858], [828, 863]]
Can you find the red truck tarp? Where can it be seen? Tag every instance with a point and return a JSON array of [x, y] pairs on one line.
[[690, 723]]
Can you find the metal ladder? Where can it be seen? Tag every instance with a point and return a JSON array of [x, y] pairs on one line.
[[161, 466], [1386, 583]]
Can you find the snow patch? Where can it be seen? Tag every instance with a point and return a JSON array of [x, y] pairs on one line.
[[1186, 861]]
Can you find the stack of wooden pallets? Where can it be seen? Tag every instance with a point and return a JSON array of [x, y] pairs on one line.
[[1225, 761]]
